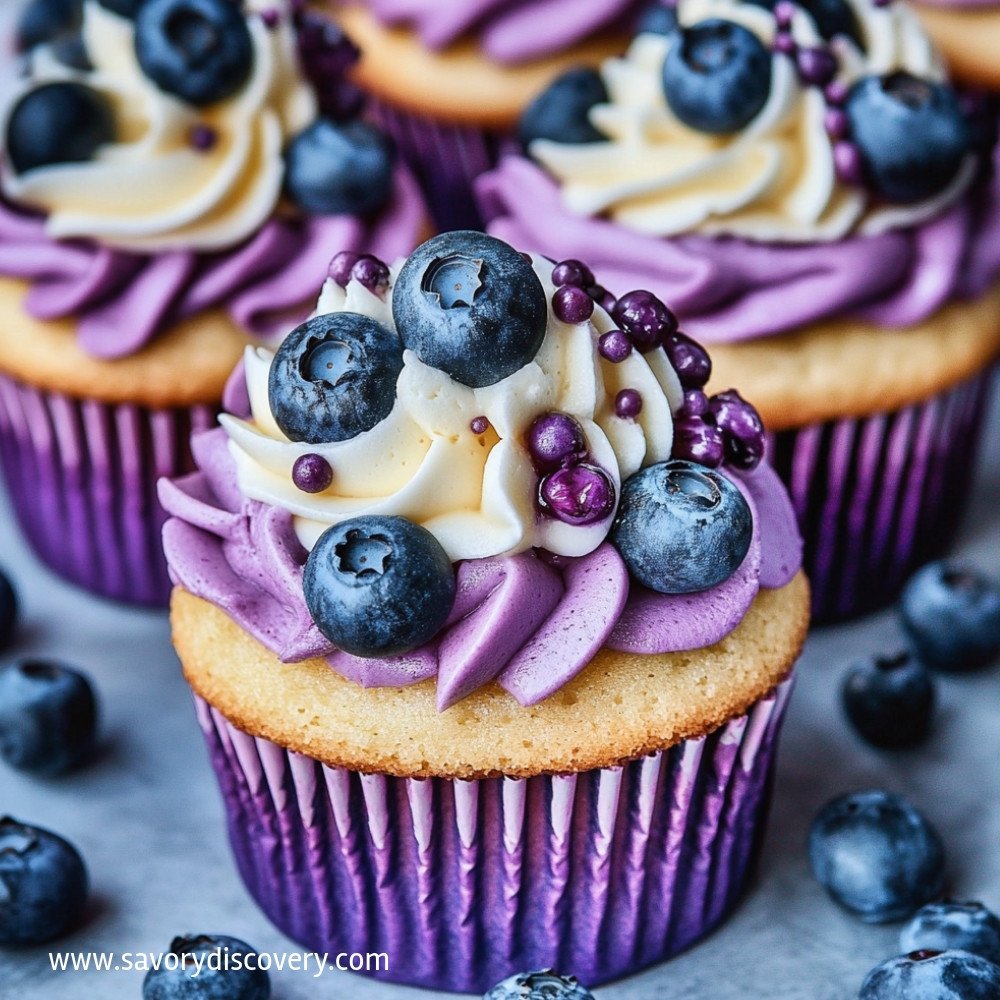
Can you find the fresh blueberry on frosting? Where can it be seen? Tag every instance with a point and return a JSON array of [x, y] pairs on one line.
[[681, 528], [659, 18], [198, 50], [471, 306], [334, 377], [379, 586], [46, 20], [911, 133], [58, 123], [562, 111], [717, 77]]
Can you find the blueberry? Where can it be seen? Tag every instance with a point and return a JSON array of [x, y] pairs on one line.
[[58, 123], [561, 112], [545, 985], [208, 967], [197, 50], [334, 377], [911, 133], [46, 20], [876, 856], [950, 926], [472, 306], [681, 527], [43, 884], [831, 17], [933, 975], [340, 169], [657, 19], [8, 611], [951, 614], [717, 76], [48, 717], [379, 586], [889, 700]]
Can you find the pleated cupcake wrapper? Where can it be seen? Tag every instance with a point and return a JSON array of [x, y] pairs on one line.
[[446, 159], [82, 475], [461, 883], [879, 496]]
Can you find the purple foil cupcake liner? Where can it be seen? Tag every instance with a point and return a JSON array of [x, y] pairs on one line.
[[445, 158], [81, 475], [879, 496], [461, 883]]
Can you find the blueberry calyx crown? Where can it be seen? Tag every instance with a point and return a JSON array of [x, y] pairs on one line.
[[362, 555]]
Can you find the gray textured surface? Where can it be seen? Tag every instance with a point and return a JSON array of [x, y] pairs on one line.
[[147, 817]]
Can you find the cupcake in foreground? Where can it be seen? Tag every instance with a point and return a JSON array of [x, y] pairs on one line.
[[166, 195], [817, 202], [478, 64], [491, 645]]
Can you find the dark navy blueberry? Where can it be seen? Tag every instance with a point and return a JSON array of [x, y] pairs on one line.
[[951, 614], [546, 985], [717, 76], [43, 885], [681, 528], [889, 701], [657, 19], [379, 586], [48, 717], [9, 608], [71, 51], [46, 20], [831, 17], [932, 975], [334, 377], [340, 169], [198, 50], [228, 971], [876, 856], [561, 113], [951, 926], [911, 133], [124, 8], [471, 306], [58, 123]]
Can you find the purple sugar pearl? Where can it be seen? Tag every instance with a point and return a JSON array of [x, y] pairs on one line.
[[836, 93], [741, 427], [695, 403], [341, 266], [202, 137], [572, 272], [836, 123], [603, 298], [572, 304], [312, 473], [848, 162], [578, 494], [271, 17], [698, 441], [554, 439], [784, 13], [614, 346], [816, 66], [690, 360], [370, 272], [646, 320], [628, 404], [784, 43], [479, 425]]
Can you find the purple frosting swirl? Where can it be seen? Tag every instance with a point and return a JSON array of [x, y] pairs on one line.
[[727, 289], [521, 620], [510, 31], [121, 300]]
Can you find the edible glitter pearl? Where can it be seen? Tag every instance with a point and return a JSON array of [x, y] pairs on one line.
[[784, 12], [836, 92], [479, 425], [312, 473], [341, 266], [628, 404], [370, 272], [614, 346], [816, 66], [835, 121], [578, 494], [270, 17], [847, 160], [202, 137], [572, 272], [784, 44], [572, 304]]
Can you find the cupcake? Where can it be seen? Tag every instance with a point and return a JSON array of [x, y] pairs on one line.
[[491, 671], [968, 33], [450, 80], [822, 207], [160, 206]]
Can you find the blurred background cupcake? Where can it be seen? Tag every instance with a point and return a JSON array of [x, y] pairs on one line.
[[450, 79], [812, 196], [968, 33], [483, 658], [174, 174]]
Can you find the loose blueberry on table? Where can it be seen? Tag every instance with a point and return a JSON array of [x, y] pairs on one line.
[[933, 975], [48, 717], [889, 700], [951, 926], [43, 885], [876, 856], [225, 977], [951, 614], [545, 985]]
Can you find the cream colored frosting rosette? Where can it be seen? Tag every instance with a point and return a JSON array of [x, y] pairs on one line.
[[476, 492], [773, 180], [151, 190]]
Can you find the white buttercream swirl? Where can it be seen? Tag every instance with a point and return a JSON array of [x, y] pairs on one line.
[[775, 179], [475, 492], [150, 190]]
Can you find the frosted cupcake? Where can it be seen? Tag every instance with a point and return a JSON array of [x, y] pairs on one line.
[[450, 79], [171, 185], [816, 201], [483, 658]]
